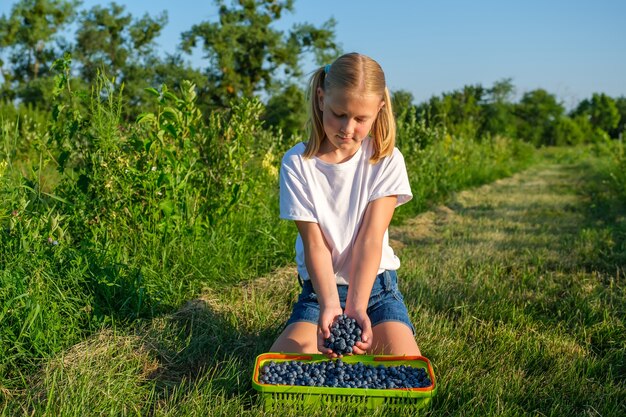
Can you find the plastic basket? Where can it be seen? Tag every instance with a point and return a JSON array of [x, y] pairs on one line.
[[300, 397]]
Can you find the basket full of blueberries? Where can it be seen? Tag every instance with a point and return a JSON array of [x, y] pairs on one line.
[[300, 380]]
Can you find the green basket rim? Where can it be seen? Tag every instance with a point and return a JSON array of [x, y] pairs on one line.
[[388, 360]]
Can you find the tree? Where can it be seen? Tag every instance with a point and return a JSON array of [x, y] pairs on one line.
[[402, 103], [498, 109], [459, 111], [286, 110], [538, 112], [620, 103], [568, 131], [502, 91], [601, 111], [173, 71], [406, 117], [246, 54], [29, 34], [110, 40]]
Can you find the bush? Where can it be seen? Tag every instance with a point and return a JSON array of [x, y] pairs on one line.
[[567, 132]]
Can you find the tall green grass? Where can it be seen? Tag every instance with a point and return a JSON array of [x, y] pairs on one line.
[[617, 164]]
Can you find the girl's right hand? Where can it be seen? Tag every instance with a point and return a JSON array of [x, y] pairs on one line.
[[327, 316]]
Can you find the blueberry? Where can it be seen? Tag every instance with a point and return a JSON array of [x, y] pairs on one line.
[[345, 332], [340, 374]]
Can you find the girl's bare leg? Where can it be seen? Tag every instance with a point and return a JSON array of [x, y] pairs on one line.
[[394, 338], [299, 337]]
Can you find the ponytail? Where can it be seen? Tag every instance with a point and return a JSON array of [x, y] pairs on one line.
[[384, 131], [315, 124]]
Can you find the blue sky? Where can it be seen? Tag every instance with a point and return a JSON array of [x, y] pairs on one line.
[[570, 48]]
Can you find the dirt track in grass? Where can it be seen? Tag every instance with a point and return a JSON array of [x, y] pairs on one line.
[[534, 215]]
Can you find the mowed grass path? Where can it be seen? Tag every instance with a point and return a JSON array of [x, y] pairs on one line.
[[518, 296], [516, 290]]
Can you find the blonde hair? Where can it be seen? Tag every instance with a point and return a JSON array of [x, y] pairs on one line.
[[352, 73]]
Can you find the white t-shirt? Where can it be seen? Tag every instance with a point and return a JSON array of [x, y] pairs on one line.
[[335, 196]]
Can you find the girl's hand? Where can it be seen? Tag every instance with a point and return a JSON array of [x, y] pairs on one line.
[[362, 320], [327, 316]]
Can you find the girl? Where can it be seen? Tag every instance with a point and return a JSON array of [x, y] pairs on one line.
[[341, 189]]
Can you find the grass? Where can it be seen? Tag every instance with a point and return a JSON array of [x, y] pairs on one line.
[[520, 288], [516, 289]]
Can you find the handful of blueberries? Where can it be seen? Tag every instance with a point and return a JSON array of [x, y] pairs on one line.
[[344, 333], [343, 375]]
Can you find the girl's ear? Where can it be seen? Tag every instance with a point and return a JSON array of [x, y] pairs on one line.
[[320, 98], [381, 105]]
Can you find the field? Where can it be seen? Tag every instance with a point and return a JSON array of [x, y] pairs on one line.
[[143, 267]]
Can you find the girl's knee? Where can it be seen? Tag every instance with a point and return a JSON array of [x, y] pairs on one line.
[[291, 345], [297, 338], [394, 338]]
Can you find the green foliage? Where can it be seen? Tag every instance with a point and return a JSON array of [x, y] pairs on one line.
[[498, 110], [21, 129], [172, 71], [209, 158], [110, 40], [538, 112], [171, 173], [604, 112], [601, 111], [245, 52], [93, 235], [589, 134], [402, 104], [413, 134], [473, 111], [615, 153], [568, 132], [458, 111], [538, 118], [29, 33], [619, 170], [286, 110], [620, 129]]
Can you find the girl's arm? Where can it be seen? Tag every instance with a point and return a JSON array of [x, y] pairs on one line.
[[318, 260], [366, 255]]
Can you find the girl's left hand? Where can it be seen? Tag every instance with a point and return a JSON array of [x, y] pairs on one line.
[[364, 322]]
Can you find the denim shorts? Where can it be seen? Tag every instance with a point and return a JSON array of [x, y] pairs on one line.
[[385, 304]]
